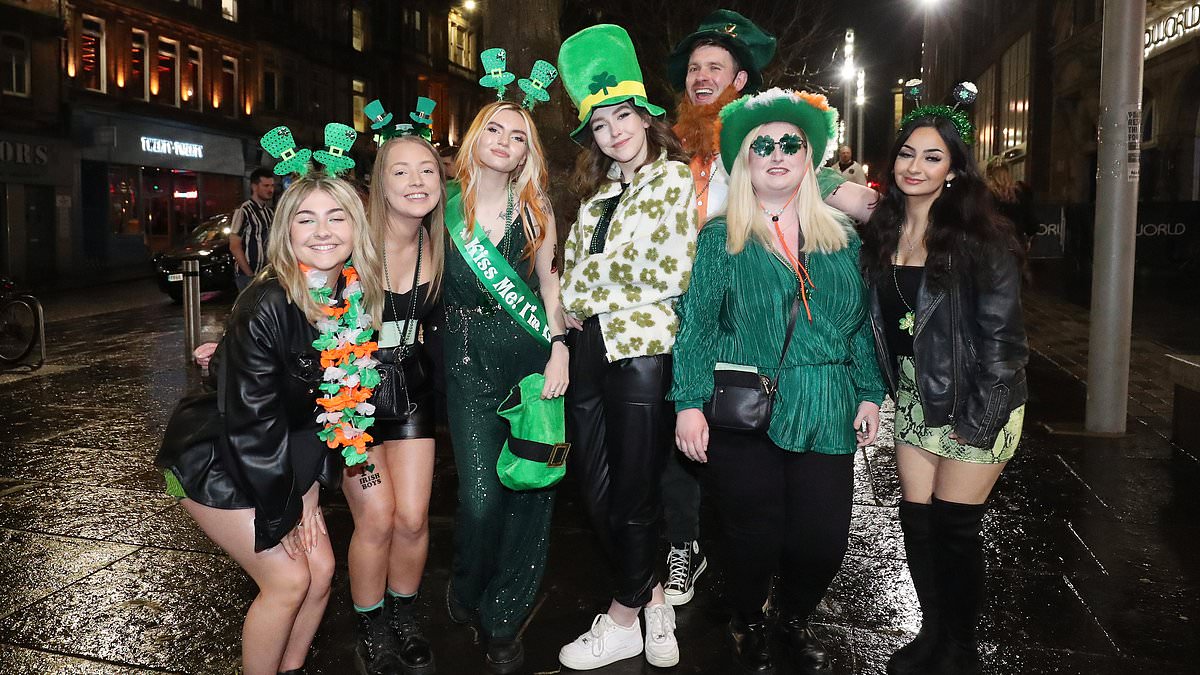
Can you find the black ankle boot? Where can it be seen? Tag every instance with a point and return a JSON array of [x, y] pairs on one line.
[[752, 639], [916, 520], [505, 656], [806, 652], [459, 614], [958, 561], [413, 652], [375, 653]]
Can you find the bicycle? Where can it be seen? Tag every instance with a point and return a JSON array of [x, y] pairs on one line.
[[22, 326]]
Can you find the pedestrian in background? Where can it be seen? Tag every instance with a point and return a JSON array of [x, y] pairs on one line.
[[626, 260], [250, 229], [1014, 199], [850, 169], [254, 491], [943, 269], [776, 289]]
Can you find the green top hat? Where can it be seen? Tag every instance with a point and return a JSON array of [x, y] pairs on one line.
[[495, 61], [811, 112], [752, 47], [543, 75], [424, 112], [279, 143], [379, 117], [599, 68], [338, 139], [535, 453]]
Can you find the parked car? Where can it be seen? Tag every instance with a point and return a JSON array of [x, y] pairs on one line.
[[208, 243]]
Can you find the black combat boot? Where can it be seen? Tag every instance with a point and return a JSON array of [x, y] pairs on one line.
[[413, 652], [752, 638], [375, 653]]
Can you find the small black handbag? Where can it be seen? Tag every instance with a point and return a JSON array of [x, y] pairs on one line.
[[402, 367], [741, 400]]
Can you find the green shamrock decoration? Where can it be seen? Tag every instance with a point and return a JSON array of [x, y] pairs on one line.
[[907, 324], [280, 144], [602, 82]]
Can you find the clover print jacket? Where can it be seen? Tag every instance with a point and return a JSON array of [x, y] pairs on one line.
[[632, 286]]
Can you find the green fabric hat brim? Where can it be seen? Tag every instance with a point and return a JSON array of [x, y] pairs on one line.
[[637, 99], [738, 120], [677, 62]]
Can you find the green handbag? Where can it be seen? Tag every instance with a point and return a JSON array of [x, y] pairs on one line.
[[535, 454]]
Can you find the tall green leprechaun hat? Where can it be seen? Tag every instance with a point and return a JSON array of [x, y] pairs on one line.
[[751, 47], [599, 67], [535, 454], [811, 112]]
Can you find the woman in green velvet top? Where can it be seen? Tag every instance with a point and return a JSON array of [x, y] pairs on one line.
[[785, 497]]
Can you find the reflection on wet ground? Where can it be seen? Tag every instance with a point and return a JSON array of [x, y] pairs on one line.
[[1093, 545]]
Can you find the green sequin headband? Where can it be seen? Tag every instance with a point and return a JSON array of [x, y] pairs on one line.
[[964, 94], [495, 64]]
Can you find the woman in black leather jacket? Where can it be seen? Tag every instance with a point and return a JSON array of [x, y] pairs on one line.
[[943, 270], [256, 494]]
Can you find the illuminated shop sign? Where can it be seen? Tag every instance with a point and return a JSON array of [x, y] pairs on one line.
[[163, 146], [187, 194], [1168, 31]]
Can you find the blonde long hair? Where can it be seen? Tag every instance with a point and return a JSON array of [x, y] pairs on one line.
[[825, 229], [530, 179], [282, 257], [434, 222]]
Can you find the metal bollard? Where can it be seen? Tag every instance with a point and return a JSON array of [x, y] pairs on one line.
[[191, 307]]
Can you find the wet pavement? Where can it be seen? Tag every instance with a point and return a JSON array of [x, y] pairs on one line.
[[1093, 544]]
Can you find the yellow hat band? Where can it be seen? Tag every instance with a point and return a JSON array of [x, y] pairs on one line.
[[626, 88]]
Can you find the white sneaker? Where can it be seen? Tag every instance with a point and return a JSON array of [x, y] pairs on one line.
[[662, 650], [605, 642]]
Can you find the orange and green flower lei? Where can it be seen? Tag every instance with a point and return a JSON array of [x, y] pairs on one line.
[[349, 371]]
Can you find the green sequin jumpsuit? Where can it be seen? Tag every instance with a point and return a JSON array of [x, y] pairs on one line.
[[501, 536]]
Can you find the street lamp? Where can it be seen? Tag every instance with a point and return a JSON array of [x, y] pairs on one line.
[[469, 5], [860, 99], [848, 74]]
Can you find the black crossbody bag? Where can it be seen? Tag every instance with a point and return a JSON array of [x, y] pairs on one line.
[[742, 401]]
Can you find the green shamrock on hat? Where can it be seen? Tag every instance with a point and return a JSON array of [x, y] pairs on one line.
[[280, 144], [602, 82]]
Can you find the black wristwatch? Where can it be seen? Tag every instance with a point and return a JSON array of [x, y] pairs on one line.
[[561, 337]]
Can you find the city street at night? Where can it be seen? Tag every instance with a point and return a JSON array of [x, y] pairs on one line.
[[1093, 546]]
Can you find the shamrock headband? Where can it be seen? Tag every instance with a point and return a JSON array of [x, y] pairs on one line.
[[381, 121], [495, 62], [964, 94], [280, 144]]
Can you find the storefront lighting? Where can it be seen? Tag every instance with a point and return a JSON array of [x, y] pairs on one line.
[[216, 100], [189, 194], [71, 68], [249, 106]]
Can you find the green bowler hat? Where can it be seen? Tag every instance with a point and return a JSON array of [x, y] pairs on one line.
[[811, 112], [338, 139], [752, 47], [599, 67]]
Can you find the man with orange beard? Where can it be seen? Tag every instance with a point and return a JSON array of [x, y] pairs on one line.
[[714, 66]]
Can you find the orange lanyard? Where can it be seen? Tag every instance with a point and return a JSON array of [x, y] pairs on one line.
[[797, 266]]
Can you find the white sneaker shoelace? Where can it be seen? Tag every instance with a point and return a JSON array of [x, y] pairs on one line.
[[660, 622]]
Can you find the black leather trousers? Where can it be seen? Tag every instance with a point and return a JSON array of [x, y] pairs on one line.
[[619, 423]]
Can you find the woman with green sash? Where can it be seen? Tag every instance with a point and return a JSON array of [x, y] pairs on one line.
[[500, 286]]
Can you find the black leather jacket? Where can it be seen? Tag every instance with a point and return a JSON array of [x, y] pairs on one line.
[[970, 350], [271, 455]]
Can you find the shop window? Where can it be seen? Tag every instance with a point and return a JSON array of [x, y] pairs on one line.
[[165, 89], [229, 10], [193, 89], [14, 64], [356, 29], [356, 104], [461, 41], [123, 200], [92, 55], [229, 86], [135, 82]]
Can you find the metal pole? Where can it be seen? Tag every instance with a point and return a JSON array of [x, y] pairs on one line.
[[1121, 62], [858, 132], [191, 306]]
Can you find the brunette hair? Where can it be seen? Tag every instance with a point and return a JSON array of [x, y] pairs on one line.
[[434, 222], [592, 165], [530, 177], [963, 222]]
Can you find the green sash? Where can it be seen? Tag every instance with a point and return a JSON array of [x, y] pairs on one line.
[[497, 276]]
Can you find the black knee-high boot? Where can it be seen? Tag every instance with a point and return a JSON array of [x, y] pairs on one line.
[[916, 520], [958, 561]]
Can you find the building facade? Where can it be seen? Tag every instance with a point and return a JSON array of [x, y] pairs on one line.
[[123, 125]]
